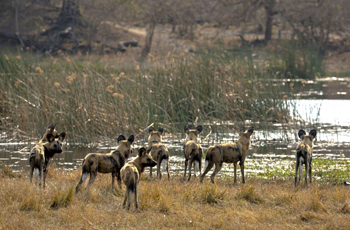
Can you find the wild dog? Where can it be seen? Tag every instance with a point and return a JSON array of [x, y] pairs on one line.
[[131, 173], [228, 153], [304, 155], [41, 154], [111, 162], [192, 150], [158, 151]]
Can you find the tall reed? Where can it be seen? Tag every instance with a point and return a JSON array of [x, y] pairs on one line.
[[91, 98]]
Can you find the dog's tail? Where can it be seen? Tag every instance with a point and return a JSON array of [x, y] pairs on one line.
[[301, 150], [164, 160], [36, 174], [85, 171], [208, 155]]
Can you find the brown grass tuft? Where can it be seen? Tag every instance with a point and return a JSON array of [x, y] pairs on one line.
[[346, 208], [210, 194], [6, 171], [249, 194], [62, 198]]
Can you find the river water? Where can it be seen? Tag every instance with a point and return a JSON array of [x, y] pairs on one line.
[[323, 104]]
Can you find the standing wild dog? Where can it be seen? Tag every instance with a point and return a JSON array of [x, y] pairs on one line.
[[41, 154], [228, 153], [192, 150], [106, 163], [158, 151], [304, 155], [131, 173]]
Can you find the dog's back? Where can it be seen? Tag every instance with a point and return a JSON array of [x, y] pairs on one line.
[[130, 176]]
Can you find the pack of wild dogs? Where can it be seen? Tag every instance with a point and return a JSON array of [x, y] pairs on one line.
[[157, 155]]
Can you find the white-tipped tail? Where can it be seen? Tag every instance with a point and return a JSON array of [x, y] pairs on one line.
[[36, 175], [36, 172], [84, 176], [164, 164], [196, 165]]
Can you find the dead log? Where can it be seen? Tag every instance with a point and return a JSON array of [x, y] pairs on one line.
[[130, 43]]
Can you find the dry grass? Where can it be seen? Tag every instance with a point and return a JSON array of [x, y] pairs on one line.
[[171, 204]]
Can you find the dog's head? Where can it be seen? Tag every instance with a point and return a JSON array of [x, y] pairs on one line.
[[51, 129], [244, 136], [155, 136], [192, 134], [307, 138], [124, 146], [146, 159], [54, 144]]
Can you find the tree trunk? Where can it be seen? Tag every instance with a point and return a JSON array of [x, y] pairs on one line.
[[269, 9], [149, 37]]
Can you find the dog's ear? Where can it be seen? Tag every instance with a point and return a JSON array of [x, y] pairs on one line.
[[199, 129], [160, 130], [62, 136], [50, 137], [250, 132], [120, 138], [301, 134], [142, 152], [313, 133], [51, 128], [131, 139], [150, 130], [186, 129]]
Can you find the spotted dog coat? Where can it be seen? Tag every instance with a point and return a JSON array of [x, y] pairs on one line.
[[106, 163], [228, 153], [158, 151], [304, 155]]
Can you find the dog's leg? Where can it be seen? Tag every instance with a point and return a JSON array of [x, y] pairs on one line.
[[300, 169], [310, 178], [167, 169], [40, 176], [119, 180], [306, 169], [186, 163], [93, 176], [235, 172], [190, 168], [114, 174], [216, 170], [200, 163], [242, 171], [159, 174], [150, 172], [135, 197], [45, 174], [129, 198], [209, 166], [296, 172], [125, 197]]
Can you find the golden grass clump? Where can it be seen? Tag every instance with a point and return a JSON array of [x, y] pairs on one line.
[[62, 198], [6, 171], [210, 194], [249, 194], [31, 203]]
